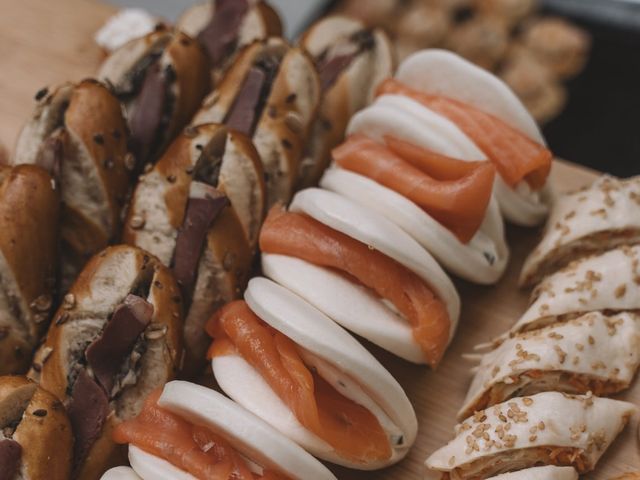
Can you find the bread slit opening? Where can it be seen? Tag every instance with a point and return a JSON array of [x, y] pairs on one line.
[[220, 36], [336, 58]]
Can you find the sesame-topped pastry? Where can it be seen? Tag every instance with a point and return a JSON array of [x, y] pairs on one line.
[[548, 472], [598, 218], [606, 282], [591, 353], [545, 429]]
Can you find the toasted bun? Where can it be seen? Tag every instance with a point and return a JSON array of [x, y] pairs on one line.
[[40, 425], [261, 21], [103, 285], [482, 260], [29, 215], [94, 174], [158, 209], [264, 446], [339, 358], [371, 228], [445, 73], [187, 84], [353, 89], [290, 109]]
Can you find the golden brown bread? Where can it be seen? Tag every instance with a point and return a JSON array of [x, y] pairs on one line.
[[78, 132], [64, 364], [258, 22], [38, 422], [352, 88], [161, 79], [29, 212], [289, 106], [159, 208]]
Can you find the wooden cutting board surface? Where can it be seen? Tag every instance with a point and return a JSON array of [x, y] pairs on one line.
[[44, 42]]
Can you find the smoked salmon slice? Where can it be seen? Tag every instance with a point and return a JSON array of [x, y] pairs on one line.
[[515, 155], [192, 448], [301, 236], [345, 425], [458, 199]]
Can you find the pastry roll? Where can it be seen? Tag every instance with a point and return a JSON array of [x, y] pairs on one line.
[[590, 353], [609, 282], [545, 429], [548, 472], [598, 218]]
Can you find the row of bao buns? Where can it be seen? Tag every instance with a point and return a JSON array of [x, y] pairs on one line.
[[424, 179], [538, 395]]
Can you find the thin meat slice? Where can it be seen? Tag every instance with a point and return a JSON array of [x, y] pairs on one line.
[[515, 155], [457, 203], [347, 426], [301, 236], [192, 448]]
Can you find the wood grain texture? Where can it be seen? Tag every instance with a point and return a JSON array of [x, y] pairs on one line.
[[46, 42]]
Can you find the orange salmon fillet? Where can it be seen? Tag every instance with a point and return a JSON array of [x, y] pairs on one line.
[[301, 236], [348, 427], [515, 155], [458, 202], [192, 448]]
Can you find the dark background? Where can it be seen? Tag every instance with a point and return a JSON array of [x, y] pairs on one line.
[[600, 126]]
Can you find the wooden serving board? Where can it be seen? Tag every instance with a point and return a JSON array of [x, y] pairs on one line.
[[43, 42]]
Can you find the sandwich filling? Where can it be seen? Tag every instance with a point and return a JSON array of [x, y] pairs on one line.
[[220, 36], [516, 157], [454, 192], [301, 236], [337, 57], [252, 96], [302, 382], [203, 206], [192, 448]]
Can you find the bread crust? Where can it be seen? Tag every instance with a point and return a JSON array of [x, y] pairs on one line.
[[158, 210], [29, 213], [285, 122], [44, 431], [103, 284], [95, 172]]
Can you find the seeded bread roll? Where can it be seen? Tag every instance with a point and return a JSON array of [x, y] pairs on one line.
[[224, 27], [35, 434], [161, 79], [351, 60], [271, 94], [78, 134], [199, 210], [116, 337], [29, 213]]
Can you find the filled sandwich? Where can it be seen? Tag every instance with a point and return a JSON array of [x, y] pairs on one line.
[[271, 94], [486, 110], [116, 337], [285, 361], [199, 210], [186, 431], [352, 60], [161, 79], [362, 271], [224, 27], [78, 134]]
